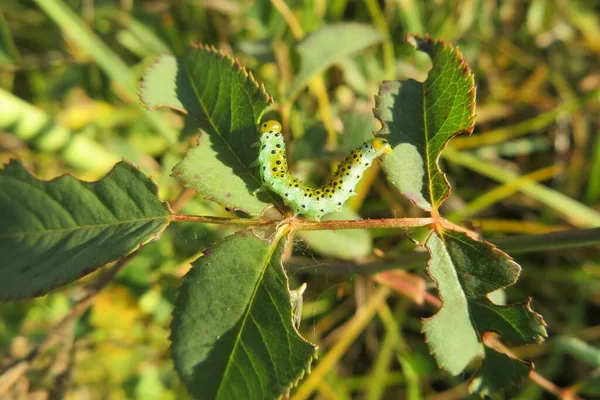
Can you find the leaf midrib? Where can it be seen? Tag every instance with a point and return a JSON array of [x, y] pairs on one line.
[[246, 314], [427, 157], [483, 302], [480, 301], [82, 227], [211, 122]]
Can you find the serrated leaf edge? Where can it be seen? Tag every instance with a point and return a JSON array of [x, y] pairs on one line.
[[496, 253], [239, 67], [422, 330], [236, 63], [175, 174], [527, 304], [412, 40], [307, 367], [472, 390], [15, 163], [466, 70], [215, 51]]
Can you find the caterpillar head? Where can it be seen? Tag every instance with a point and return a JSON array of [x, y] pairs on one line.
[[270, 126], [382, 145]]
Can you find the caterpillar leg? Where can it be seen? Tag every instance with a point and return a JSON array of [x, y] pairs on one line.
[[285, 221], [262, 188], [317, 217], [255, 144], [254, 164]]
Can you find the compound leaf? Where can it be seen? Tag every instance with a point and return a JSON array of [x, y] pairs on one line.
[[452, 351], [498, 372], [227, 103], [232, 331], [420, 117], [54, 232], [517, 323], [466, 271]]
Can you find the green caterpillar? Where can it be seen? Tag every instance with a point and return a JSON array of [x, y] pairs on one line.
[[304, 200]]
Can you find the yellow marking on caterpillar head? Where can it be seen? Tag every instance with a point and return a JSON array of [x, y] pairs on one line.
[[383, 145], [269, 126]]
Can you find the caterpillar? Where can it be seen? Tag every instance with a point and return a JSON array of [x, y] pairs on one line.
[[304, 200]]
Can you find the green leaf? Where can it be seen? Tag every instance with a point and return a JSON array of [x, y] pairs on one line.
[[345, 244], [227, 103], [420, 118], [517, 323], [329, 45], [232, 332], [203, 171], [54, 232], [498, 373], [450, 333], [466, 271]]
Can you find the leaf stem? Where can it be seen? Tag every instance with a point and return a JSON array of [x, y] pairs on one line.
[[512, 244], [303, 225]]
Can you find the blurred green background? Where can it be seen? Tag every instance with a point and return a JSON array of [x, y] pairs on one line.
[[69, 73]]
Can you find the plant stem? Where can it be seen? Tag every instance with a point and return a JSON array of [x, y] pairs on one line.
[[513, 244], [302, 225]]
